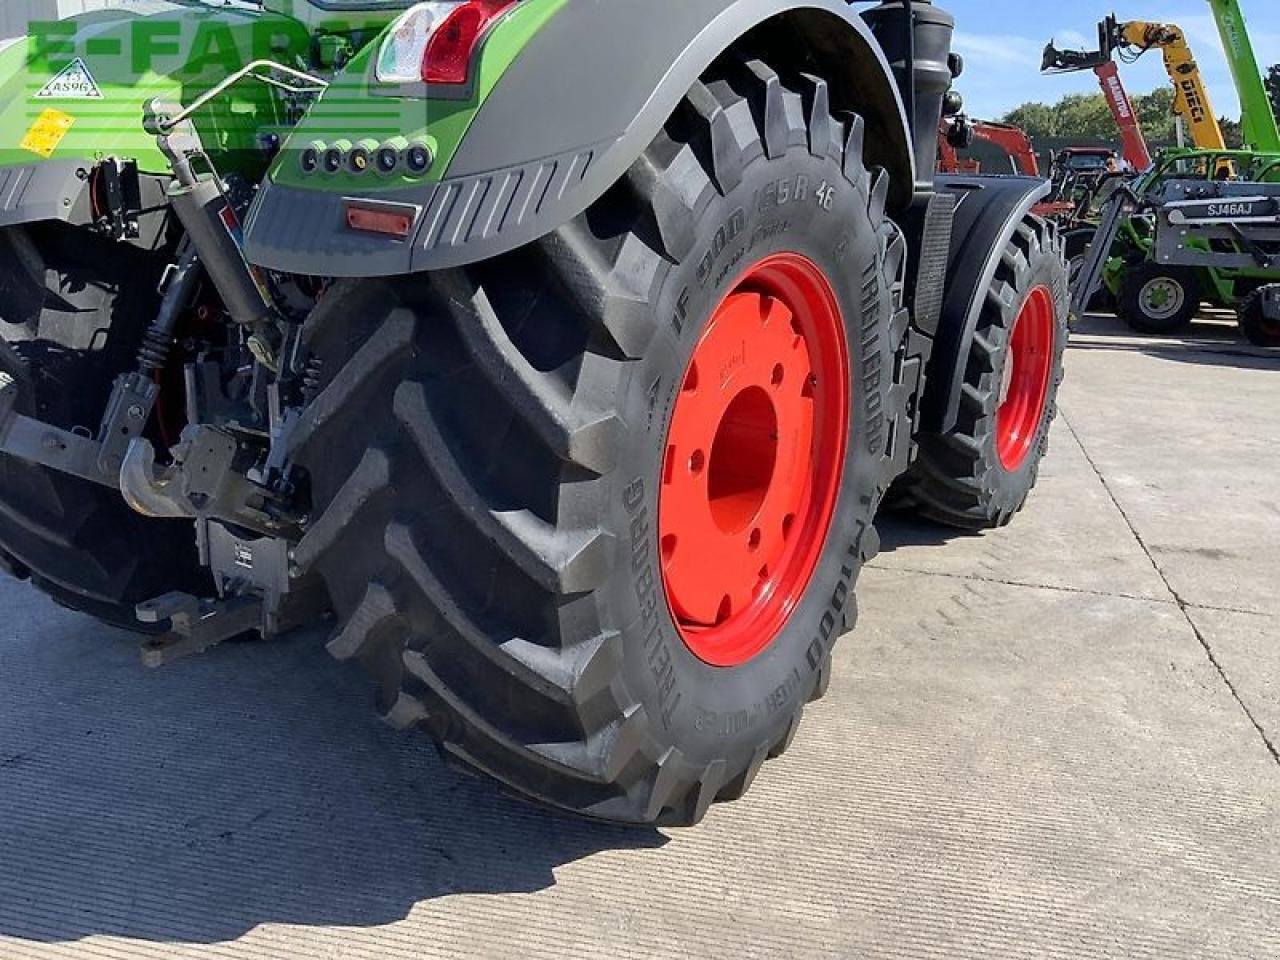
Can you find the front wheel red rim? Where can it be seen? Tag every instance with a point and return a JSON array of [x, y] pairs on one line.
[[754, 460], [1028, 369]]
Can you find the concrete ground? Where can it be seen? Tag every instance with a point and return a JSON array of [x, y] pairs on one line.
[[1058, 740]]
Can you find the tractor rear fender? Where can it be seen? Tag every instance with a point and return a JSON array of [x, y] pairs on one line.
[[630, 64], [575, 109], [988, 212]]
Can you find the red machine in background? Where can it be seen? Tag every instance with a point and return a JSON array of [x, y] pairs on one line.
[[1012, 140], [958, 132], [1136, 153]]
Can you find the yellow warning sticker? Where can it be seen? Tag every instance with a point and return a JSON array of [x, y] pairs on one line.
[[47, 132]]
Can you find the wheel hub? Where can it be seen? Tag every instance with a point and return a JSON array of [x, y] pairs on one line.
[[754, 458], [1025, 384], [1161, 298]]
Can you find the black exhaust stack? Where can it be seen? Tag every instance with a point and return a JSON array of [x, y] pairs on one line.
[[916, 38]]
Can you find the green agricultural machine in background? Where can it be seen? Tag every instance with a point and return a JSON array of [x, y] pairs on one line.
[[1155, 296], [1227, 225], [1200, 226], [1151, 295], [558, 355]]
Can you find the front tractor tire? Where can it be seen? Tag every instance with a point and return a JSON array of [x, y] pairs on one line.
[[592, 513], [979, 474], [1159, 301]]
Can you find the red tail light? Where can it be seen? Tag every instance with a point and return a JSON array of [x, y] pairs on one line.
[[436, 41], [452, 46]]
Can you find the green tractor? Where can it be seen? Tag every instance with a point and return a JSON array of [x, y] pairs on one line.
[[1158, 297], [559, 356]]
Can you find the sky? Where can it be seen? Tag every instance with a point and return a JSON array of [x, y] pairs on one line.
[[1002, 42]]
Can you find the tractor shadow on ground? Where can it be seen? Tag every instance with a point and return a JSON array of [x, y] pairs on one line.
[[1212, 340], [252, 785], [900, 529]]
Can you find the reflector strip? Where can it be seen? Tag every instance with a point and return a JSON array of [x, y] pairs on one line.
[[387, 222]]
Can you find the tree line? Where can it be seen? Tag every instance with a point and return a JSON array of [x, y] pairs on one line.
[[1088, 115]]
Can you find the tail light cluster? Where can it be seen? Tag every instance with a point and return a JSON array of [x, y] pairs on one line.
[[436, 42], [395, 156]]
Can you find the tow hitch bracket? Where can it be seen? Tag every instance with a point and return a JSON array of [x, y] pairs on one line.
[[197, 625]]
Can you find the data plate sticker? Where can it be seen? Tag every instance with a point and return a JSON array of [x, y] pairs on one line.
[[47, 132], [73, 82]]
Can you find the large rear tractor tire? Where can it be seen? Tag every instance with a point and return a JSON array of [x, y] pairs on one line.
[[73, 309], [980, 474], [1159, 300], [592, 513]]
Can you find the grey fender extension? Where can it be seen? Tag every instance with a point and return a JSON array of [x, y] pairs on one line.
[[987, 214], [546, 144]]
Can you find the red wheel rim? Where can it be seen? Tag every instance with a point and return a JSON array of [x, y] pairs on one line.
[[754, 460], [1027, 370]]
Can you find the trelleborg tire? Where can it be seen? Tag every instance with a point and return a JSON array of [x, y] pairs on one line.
[[980, 474], [491, 463], [73, 310]]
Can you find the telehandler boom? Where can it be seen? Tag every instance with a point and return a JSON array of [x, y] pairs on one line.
[[1136, 152], [1257, 117], [1130, 40]]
